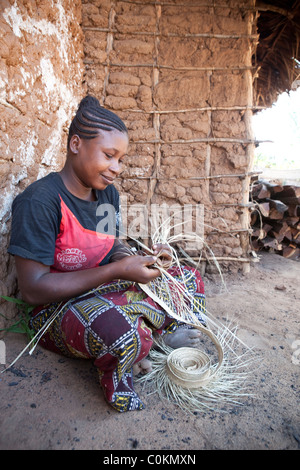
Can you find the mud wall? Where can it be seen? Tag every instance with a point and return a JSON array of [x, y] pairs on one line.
[[40, 85], [180, 75]]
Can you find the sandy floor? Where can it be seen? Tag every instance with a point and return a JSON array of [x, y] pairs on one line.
[[50, 402]]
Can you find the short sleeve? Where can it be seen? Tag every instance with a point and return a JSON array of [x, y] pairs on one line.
[[34, 231], [118, 215]]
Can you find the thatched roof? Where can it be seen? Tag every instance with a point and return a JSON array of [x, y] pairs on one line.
[[278, 55]]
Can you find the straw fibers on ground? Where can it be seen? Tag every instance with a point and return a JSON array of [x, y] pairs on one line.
[[50, 402]]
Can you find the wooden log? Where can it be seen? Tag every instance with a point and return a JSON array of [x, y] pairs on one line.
[[253, 217], [267, 227], [277, 209], [295, 234], [256, 233], [280, 231], [270, 242], [264, 208], [294, 210], [272, 187], [289, 191], [280, 227], [293, 200], [261, 232], [260, 191], [289, 250], [256, 244], [288, 237], [289, 195], [292, 221]]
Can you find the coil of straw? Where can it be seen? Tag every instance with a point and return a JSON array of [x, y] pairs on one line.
[[192, 368], [189, 367]]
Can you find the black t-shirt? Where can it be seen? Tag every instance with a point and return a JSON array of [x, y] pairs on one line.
[[52, 226]]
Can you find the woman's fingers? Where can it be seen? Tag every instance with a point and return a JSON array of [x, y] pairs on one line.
[[162, 250], [164, 254], [138, 268]]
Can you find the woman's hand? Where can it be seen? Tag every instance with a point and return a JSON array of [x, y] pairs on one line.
[[164, 254], [137, 268]]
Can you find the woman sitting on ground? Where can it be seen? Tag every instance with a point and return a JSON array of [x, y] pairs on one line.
[[65, 260]]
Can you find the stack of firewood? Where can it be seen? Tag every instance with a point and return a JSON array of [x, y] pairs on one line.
[[275, 218]]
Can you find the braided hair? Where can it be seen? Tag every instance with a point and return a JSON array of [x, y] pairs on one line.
[[90, 117]]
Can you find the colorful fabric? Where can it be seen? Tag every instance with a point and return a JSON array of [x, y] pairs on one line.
[[113, 325]]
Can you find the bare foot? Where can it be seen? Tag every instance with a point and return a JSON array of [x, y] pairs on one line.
[[142, 367], [182, 338]]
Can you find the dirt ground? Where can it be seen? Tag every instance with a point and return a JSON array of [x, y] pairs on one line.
[[51, 403]]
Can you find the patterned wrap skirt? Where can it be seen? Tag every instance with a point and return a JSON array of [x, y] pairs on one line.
[[113, 325]]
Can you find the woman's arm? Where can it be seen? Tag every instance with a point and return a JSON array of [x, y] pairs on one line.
[[40, 286]]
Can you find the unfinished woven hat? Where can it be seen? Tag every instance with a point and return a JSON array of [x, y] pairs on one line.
[[192, 378], [195, 379]]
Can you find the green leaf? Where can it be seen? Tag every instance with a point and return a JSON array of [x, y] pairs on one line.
[[30, 308], [3, 316], [14, 300], [15, 329], [20, 326]]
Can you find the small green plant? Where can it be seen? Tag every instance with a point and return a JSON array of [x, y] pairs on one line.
[[22, 324]]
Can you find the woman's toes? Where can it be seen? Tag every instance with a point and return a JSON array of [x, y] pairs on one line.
[[146, 366], [142, 367], [182, 338]]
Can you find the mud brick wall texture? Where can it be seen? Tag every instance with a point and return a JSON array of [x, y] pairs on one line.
[[179, 73], [41, 52]]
